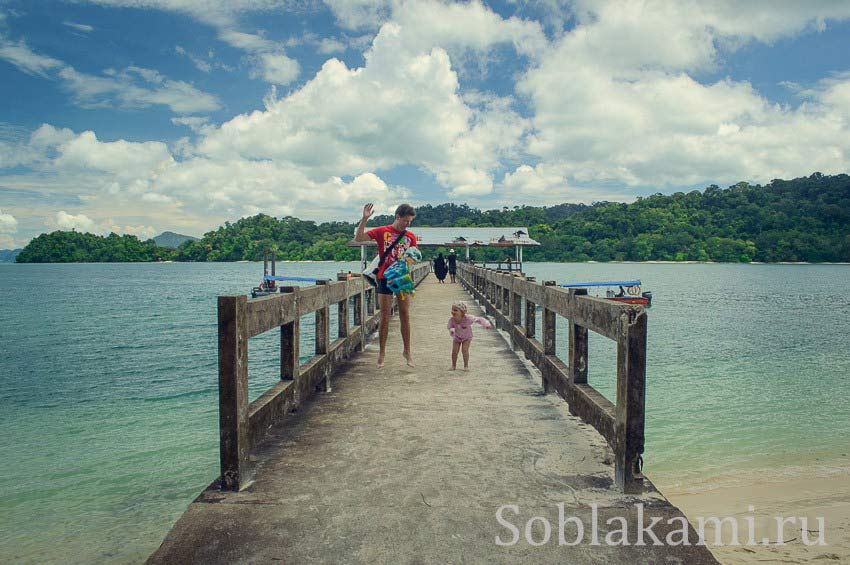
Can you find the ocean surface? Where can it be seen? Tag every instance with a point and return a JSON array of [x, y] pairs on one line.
[[108, 386]]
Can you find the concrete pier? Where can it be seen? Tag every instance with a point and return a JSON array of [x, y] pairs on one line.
[[412, 465]]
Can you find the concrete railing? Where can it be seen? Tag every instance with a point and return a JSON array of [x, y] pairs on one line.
[[513, 299], [242, 424]]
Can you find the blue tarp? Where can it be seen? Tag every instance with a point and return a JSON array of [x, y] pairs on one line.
[[602, 283], [298, 279]]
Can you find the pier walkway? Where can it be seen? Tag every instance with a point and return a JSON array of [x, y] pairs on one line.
[[411, 465]]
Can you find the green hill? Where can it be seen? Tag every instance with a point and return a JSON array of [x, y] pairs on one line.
[[77, 247], [805, 219], [171, 239], [8, 255]]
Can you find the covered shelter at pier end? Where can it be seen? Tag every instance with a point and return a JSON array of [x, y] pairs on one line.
[[464, 238]]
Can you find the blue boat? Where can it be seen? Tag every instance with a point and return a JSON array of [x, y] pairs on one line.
[[628, 291], [269, 286]]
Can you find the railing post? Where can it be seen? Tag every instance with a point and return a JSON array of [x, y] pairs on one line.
[[577, 346], [548, 332], [548, 323], [342, 311], [515, 311], [630, 408], [290, 342], [234, 427], [530, 318], [323, 333], [323, 326], [359, 300], [370, 304]]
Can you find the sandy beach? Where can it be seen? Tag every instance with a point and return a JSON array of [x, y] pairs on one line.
[[799, 496]]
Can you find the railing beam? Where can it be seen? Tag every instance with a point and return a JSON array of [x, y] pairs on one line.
[[622, 424]]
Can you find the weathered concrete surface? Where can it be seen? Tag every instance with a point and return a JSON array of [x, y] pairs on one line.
[[406, 465]]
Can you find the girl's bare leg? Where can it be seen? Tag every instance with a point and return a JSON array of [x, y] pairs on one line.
[[455, 349], [465, 350]]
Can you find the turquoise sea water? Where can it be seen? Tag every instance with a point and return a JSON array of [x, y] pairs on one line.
[[108, 386]]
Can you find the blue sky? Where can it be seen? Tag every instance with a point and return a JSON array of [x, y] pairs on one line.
[[139, 116]]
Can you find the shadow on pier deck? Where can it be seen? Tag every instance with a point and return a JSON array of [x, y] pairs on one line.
[[412, 465]]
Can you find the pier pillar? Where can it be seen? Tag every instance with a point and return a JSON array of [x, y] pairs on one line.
[[630, 407], [515, 311], [323, 335], [233, 391], [530, 318], [548, 321], [290, 343], [577, 355], [342, 310], [359, 303]]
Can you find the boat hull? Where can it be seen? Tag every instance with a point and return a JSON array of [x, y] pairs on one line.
[[639, 300]]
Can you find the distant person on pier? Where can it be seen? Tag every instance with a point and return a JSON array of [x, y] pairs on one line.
[[452, 264], [440, 268], [393, 240]]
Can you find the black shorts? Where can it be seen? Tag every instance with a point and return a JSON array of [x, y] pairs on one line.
[[382, 287]]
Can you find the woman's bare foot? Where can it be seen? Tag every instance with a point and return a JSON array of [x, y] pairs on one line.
[[409, 358], [453, 368], [380, 360], [466, 368]]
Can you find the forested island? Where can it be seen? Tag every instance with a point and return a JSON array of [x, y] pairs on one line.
[[805, 219]]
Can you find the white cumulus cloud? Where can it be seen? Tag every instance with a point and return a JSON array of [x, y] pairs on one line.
[[133, 87], [126, 89], [143, 232], [360, 14], [402, 107], [27, 60], [8, 223], [615, 99], [78, 222], [276, 68], [268, 59]]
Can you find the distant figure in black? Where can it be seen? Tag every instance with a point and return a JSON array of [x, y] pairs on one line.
[[452, 264], [440, 268]]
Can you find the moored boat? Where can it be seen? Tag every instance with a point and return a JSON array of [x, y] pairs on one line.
[[628, 291]]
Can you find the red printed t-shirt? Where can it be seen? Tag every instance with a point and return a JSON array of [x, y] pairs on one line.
[[385, 236]]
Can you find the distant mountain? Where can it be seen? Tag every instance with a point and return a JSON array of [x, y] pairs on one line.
[[172, 240], [8, 255]]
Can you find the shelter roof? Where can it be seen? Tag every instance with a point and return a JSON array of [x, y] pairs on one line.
[[463, 236]]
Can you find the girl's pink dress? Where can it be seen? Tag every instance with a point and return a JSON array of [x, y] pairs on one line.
[[463, 329]]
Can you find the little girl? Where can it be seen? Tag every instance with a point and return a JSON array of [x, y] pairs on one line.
[[460, 326]]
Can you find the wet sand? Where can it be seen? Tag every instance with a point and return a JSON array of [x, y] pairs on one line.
[[799, 496]]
